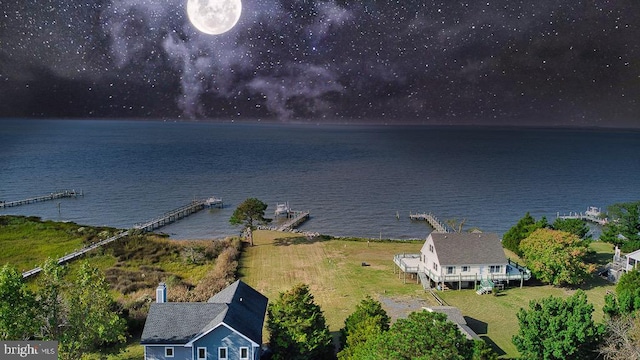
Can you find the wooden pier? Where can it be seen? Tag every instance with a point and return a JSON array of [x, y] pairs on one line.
[[433, 221], [167, 218], [54, 195], [76, 254], [171, 216], [592, 214], [295, 218]]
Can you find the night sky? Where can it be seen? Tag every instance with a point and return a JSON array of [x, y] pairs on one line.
[[495, 62]]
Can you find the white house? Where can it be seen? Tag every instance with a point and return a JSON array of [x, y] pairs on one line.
[[622, 264], [463, 259]]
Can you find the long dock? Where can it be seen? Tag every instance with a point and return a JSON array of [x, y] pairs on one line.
[[295, 218], [75, 254], [165, 219], [171, 216], [54, 195], [433, 221]]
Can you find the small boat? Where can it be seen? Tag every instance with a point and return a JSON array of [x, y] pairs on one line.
[[282, 209], [213, 202], [593, 212]]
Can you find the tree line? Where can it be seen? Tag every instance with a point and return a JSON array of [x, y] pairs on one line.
[[77, 311]]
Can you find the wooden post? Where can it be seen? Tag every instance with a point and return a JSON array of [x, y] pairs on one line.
[[460, 281], [521, 279]]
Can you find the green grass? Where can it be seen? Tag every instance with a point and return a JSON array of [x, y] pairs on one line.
[[332, 269], [334, 272], [495, 316]]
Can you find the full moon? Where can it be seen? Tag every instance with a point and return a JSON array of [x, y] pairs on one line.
[[214, 16]]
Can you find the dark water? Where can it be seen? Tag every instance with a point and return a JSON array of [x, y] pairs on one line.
[[353, 180]]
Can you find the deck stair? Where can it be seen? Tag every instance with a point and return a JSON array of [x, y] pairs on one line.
[[485, 287], [424, 280]]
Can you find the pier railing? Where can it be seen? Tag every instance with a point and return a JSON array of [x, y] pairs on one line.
[[54, 195], [166, 218], [437, 225]]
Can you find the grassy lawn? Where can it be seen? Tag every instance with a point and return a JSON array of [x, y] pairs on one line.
[[332, 269], [334, 272], [494, 317]]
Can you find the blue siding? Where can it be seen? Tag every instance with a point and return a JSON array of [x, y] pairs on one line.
[[157, 353], [224, 337]]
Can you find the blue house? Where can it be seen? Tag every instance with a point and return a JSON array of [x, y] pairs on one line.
[[228, 326]]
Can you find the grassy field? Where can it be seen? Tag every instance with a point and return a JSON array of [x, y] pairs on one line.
[[333, 270]]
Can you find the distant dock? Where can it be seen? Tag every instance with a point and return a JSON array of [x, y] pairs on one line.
[[54, 195], [593, 214], [432, 220], [171, 216], [294, 219], [167, 218]]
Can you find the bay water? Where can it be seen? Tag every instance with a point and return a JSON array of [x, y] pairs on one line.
[[360, 181]]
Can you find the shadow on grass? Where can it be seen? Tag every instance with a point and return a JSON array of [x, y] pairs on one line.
[[497, 349], [299, 240], [599, 258], [480, 327]]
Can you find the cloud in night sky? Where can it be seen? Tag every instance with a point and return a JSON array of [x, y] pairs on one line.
[[493, 62]]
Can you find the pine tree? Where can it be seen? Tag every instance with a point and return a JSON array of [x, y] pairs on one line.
[[297, 327]]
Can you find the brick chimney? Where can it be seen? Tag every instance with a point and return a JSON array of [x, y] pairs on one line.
[[161, 293]]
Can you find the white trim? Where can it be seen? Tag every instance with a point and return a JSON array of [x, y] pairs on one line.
[[173, 351], [198, 353], [190, 343], [226, 353], [240, 351]]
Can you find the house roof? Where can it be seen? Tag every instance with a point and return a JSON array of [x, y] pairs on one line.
[[238, 306], [467, 248]]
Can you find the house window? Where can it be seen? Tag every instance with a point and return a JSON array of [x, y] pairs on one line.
[[244, 353], [431, 247], [494, 268], [451, 269], [202, 353], [168, 351], [465, 268], [222, 353], [435, 266]]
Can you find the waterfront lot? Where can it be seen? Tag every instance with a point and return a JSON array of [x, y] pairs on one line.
[[333, 270]]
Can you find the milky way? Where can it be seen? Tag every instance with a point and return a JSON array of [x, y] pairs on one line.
[[493, 62]]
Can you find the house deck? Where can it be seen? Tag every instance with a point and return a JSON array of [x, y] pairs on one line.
[[410, 263]]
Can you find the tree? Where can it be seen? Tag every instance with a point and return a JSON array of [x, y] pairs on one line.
[[626, 299], [297, 327], [624, 229], [577, 227], [557, 328], [249, 213], [422, 335], [17, 306], [367, 321], [50, 296], [556, 257], [91, 322], [622, 341], [525, 226]]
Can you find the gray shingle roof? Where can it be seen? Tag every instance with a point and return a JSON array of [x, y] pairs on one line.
[[239, 306], [468, 249]]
